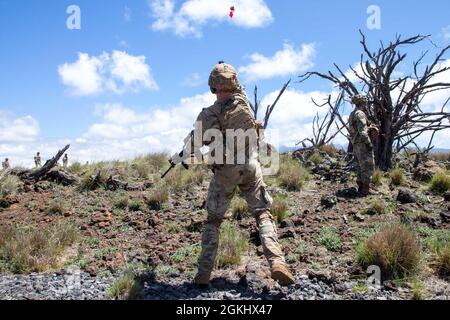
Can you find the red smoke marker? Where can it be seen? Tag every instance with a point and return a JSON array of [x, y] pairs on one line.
[[232, 12]]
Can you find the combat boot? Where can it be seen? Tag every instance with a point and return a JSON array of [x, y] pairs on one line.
[[364, 189], [281, 274], [202, 279]]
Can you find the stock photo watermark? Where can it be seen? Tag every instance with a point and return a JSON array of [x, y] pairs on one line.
[[73, 22], [374, 19]]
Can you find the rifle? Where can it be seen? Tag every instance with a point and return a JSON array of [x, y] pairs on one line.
[[173, 165]]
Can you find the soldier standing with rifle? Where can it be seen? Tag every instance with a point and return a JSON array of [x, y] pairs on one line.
[[231, 112]]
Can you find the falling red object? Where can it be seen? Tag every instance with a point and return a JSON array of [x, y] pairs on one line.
[[232, 12]]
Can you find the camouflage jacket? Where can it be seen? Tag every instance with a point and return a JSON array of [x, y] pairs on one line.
[[359, 128], [229, 129]]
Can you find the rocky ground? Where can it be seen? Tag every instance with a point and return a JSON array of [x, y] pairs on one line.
[[163, 244]]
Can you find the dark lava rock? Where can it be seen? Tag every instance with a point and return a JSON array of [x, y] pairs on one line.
[[445, 216], [405, 196], [328, 201], [447, 196]]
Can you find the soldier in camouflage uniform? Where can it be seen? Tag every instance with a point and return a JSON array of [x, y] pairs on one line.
[[37, 160], [65, 161], [5, 164], [362, 145], [231, 112]]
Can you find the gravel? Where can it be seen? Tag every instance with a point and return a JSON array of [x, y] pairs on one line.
[[82, 286]]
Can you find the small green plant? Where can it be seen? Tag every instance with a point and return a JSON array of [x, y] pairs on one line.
[[440, 183], [9, 185], [163, 270], [134, 205], [232, 245], [316, 158], [292, 175], [173, 227], [377, 206], [57, 207], [360, 288], [126, 288], [377, 178], [239, 207], [418, 290], [394, 249], [35, 249], [75, 168], [187, 253], [397, 177], [121, 201], [158, 198], [279, 207], [441, 261], [330, 239]]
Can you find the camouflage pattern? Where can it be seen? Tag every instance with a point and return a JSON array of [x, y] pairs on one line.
[[37, 160], [65, 161], [362, 146], [360, 100], [235, 114], [5, 164], [223, 78], [221, 191]]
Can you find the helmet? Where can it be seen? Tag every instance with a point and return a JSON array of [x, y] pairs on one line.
[[359, 100], [223, 78]]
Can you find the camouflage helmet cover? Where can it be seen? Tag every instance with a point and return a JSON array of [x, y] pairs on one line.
[[360, 99], [223, 78]]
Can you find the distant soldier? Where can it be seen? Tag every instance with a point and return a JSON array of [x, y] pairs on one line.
[[359, 128], [5, 164], [231, 111], [37, 160], [65, 161]]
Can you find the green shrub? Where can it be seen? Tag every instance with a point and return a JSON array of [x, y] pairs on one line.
[[394, 249], [126, 288], [397, 177], [35, 249], [292, 175], [279, 207], [57, 206], [190, 253], [330, 239], [377, 178], [329, 149], [232, 245], [158, 197], [440, 183], [377, 206], [121, 201], [9, 185], [441, 261], [76, 167], [134, 205], [316, 158]]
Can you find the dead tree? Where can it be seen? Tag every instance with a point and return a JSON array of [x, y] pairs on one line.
[[46, 172], [327, 128], [395, 102], [270, 108]]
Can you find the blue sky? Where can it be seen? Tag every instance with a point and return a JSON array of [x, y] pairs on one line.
[[41, 105]]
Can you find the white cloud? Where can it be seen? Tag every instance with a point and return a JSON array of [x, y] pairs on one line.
[[446, 32], [14, 129], [194, 14], [294, 113], [127, 14], [288, 61], [193, 80], [118, 72]]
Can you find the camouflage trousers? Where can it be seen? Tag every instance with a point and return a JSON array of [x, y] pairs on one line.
[[222, 189], [366, 163]]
